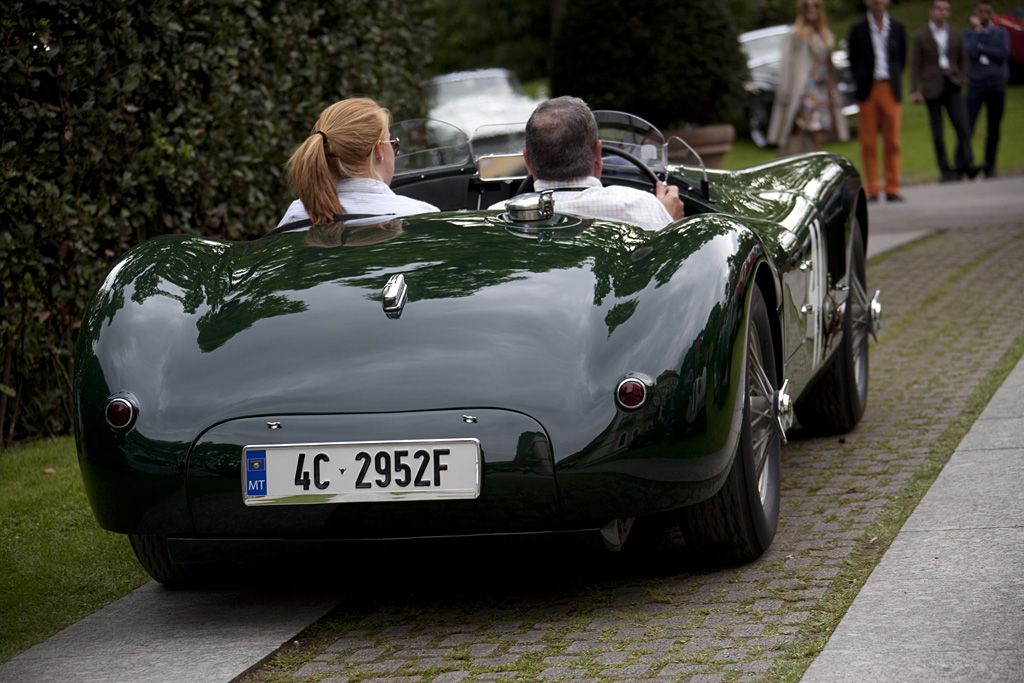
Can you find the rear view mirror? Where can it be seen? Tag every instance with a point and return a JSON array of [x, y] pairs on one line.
[[502, 167]]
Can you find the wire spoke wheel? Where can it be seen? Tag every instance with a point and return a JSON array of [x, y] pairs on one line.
[[859, 306], [835, 403], [738, 523], [762, 413]]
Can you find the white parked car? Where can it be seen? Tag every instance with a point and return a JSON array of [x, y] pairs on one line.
[[470, 99]]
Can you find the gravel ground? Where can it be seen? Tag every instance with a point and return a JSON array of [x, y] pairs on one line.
[[953, 329]]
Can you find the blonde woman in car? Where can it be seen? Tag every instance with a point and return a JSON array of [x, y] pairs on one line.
[[345, 166]]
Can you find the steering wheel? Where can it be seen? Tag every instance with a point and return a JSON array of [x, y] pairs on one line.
[[644, 170], [527, 183]]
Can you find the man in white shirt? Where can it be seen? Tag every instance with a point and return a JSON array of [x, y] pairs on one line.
[[563, 153], [938, 69], [878, 51]]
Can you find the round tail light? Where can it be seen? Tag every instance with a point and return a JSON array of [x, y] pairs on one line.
[[121, 412], [632, 393]]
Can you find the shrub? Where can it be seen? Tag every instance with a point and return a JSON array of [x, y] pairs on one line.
[[512, 34], [670, 61], [122, 121]]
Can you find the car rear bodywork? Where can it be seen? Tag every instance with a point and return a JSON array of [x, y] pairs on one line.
[[514, 335]]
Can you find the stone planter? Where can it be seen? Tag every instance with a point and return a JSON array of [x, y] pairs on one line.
[[710, 142]]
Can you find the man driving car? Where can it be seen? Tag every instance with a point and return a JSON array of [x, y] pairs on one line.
[[563, 153]]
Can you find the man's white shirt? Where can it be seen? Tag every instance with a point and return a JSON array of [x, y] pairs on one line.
[[880, 43], [588, 198], [941, 35]]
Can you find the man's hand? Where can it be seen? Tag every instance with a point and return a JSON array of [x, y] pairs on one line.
[[669, 196], [916, 97]]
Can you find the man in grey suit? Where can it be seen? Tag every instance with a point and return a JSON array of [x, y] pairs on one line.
[[938, 68]]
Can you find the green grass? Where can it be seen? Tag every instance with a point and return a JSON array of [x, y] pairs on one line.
[[918, 156], [56, 564]]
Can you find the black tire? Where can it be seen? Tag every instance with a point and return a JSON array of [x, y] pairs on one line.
[[155, 558], [759, 115], [835, 403], [738, 523]]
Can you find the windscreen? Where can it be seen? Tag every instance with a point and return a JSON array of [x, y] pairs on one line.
[[428, 144], [633, 135]]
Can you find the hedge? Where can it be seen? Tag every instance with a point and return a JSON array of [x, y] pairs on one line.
[[124, 120]]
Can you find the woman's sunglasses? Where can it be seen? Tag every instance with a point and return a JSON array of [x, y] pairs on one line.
[[395, 145]]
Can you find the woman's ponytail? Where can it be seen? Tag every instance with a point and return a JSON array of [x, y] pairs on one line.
[[339, 147]]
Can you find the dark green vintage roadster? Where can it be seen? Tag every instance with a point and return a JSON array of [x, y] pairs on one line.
[[479, 372]]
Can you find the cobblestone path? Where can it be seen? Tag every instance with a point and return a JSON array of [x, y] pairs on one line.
[[954, 321]]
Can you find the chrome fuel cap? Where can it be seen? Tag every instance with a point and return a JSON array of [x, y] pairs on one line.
[[530, 207]]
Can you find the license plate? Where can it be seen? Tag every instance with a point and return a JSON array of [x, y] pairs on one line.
[[353, 472]]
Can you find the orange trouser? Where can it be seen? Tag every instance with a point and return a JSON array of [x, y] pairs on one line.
[[880, 111]]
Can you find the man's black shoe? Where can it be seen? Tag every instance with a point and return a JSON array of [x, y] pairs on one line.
[[973, 171], [951, 177], [895, 198], [872, 198]]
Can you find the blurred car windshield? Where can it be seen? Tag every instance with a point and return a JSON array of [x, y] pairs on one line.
[[473, 86], [471, 99], [761, 47]]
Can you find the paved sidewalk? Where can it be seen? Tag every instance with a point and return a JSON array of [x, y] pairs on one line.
[[946, 603], [943, 206], [156, 635]]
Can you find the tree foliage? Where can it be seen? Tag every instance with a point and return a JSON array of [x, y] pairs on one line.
[[754, 14], [123, 120], [512, 34], [670, 61]]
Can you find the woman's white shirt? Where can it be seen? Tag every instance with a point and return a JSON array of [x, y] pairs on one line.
[[364, 195]]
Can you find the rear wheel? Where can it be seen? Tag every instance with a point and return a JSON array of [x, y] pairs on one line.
[[738, 523], [836, 401], [155, 558]]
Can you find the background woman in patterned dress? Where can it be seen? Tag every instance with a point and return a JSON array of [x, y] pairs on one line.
[[807, 108]]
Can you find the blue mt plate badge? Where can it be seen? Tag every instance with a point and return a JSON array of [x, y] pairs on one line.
[[255, 474]]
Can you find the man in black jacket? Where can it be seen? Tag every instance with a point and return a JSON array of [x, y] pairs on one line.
[[878, 53], [938, 69]]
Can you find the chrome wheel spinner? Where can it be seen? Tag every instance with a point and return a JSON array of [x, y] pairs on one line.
[[875, 315], [782, 407]]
